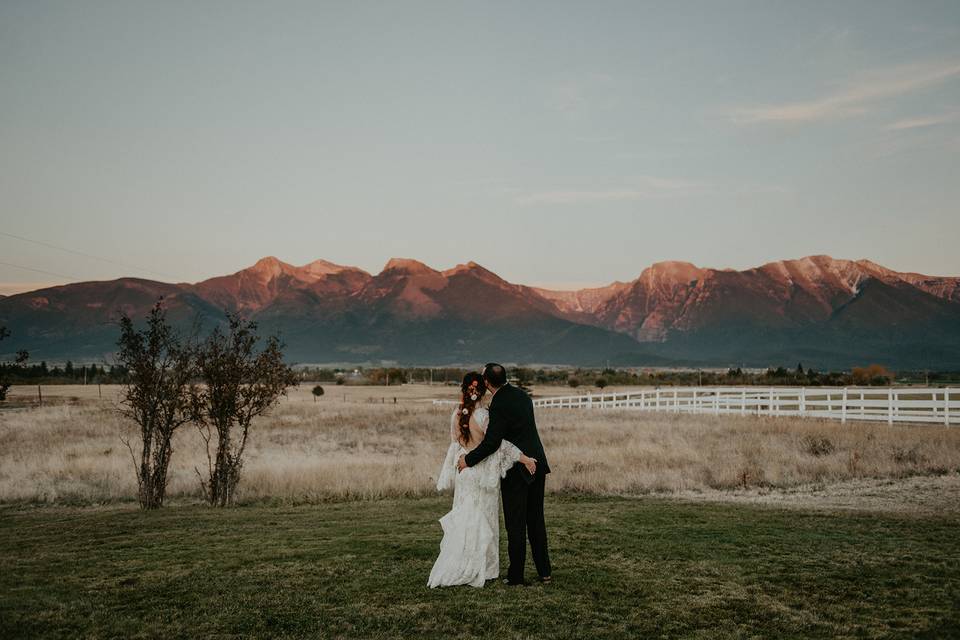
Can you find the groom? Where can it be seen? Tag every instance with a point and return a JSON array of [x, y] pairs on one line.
[[511, 418]]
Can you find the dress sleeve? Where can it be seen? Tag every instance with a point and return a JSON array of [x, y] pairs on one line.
[[507, 453], [507, 456], [448, 471]]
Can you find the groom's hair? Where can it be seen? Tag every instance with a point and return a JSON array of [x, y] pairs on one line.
[[495, 374]]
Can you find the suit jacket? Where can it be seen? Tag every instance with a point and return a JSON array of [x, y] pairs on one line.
[[511, 419]]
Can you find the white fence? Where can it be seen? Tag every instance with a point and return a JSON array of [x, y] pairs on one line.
[[878, 404]]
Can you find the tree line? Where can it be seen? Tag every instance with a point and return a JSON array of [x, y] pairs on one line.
[[69, 373]]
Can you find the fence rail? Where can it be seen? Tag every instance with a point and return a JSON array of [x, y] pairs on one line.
[[876, 404]]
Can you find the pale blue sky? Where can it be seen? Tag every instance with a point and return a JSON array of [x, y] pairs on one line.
[[555, 143]]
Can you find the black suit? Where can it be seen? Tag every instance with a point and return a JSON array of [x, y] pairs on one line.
[[512, 419]]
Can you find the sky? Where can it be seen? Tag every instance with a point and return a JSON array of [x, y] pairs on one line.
[[558, 144]]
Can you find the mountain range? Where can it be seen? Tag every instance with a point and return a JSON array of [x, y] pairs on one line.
[[821, 311]]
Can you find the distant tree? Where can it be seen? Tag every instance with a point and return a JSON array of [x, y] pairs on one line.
[[573, 382], [799, 368], [391, 376], [317, 392], [155, 397], [240, 384], [601, 383], [873, 374], [18, 362], [522, 378]]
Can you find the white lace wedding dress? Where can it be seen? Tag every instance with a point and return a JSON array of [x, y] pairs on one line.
[[470, 549]]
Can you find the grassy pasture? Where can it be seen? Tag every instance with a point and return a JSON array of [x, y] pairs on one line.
[[624, 567]]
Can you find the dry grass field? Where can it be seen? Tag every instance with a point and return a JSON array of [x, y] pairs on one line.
[[355, 442]]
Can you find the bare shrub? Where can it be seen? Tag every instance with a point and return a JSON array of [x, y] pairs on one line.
[[155, 397], [911, 456], [239, 385], [853, 463], [751, 475], [817, 445]]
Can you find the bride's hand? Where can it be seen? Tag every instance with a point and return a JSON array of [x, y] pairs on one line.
[[530, 464]]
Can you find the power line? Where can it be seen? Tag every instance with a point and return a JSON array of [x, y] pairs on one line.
[[49, 273], [85, 255]]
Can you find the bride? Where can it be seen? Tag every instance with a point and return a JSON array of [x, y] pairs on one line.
[[470, 549]]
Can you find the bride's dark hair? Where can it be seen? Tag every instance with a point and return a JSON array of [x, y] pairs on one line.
[[471, 391]]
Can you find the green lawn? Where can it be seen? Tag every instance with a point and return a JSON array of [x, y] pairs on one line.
[[623, 568]]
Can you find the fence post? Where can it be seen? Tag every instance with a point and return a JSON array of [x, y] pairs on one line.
[[39, 395], [657, 400], [890, 398], [696, 407], [716, 401], [946, 406], [743, 402], [843, 407], [589, 400], [803, 402], [770, 408], [676, 401]]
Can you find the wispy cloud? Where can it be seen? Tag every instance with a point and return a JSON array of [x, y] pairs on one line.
[[856, 98], [923, 121], [574, 96]]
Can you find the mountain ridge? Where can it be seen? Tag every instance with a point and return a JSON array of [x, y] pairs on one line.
[[848, 311]]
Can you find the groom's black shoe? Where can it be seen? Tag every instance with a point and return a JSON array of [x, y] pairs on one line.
[[510, 583]]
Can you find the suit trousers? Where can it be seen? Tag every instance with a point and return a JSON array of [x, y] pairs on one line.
[[523, 518]]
